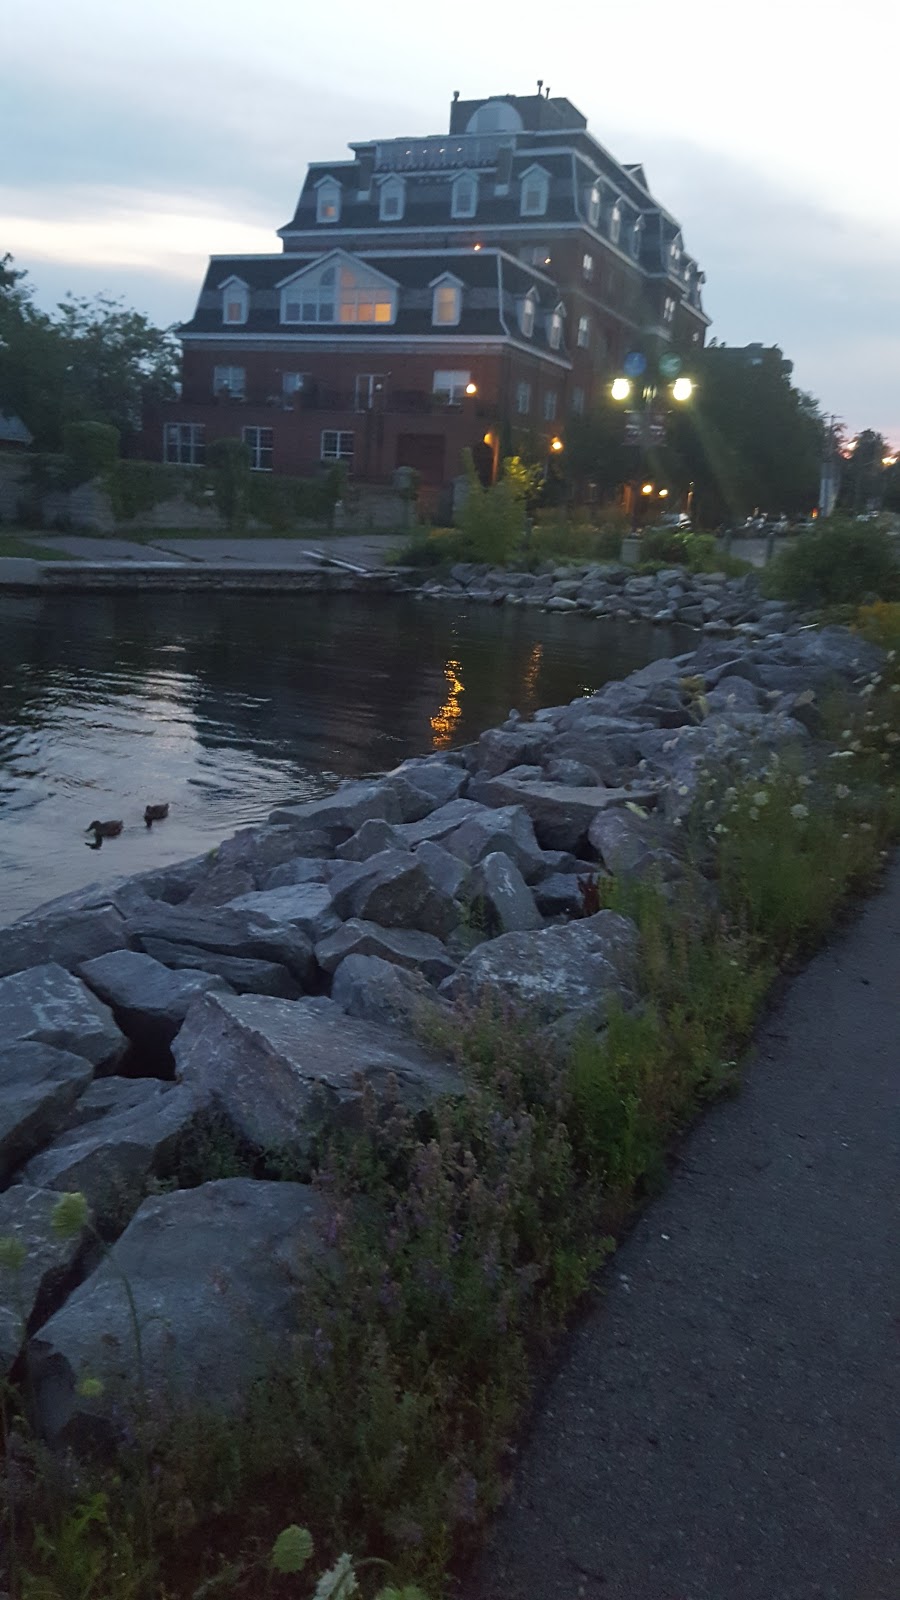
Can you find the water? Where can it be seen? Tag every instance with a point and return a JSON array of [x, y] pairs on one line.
[[226, 706]]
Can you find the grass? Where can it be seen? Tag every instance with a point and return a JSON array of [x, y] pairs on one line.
[[461, 1251], [20, 544]]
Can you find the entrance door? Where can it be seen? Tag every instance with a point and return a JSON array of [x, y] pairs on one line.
[[369, 395]]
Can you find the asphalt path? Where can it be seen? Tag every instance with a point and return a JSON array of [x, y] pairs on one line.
[[725, 1424]]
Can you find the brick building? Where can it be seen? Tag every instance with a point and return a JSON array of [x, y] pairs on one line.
[[468, 289]]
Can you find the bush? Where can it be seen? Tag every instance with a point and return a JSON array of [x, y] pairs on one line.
[[229, 464], [92, 450], [842, 563], [283, 502], [135, 487], [492, 520]]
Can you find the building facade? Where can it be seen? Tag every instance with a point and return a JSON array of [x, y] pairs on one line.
[[473, 289]]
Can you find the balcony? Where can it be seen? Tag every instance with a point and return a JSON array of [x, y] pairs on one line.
[[411, 402], [465, 150]]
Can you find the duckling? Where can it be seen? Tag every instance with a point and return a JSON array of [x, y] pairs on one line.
[[156, 813], [105, 830]]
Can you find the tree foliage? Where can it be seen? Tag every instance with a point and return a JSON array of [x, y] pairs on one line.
[[90, 361]]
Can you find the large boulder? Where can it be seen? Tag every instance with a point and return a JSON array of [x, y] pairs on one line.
[[214, 1279], [307, 906], [447, 872], [224, 932], [282, 1072], [632, 846], [31, 1291], [64, 937], [442, 780], [48, 1006], [111, 1158], [394, 889], [243, 974], [39, 1085], [507, 829], [558, 971], [373, 837], [500, 899], [441, 822], [148, 1001], [379, 991], [499, 748], [561, 895], [404, 947], [339, 814]]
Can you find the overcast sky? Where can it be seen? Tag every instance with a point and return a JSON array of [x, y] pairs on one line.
[[138, 139]]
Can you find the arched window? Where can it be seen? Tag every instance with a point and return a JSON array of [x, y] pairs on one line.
[[534, 189], [235, 302], [555, 329], [615, 223], [328, 200], [446, 303], [341, 290], [594, 206], [526, 313], [392, 200], [464, 195]]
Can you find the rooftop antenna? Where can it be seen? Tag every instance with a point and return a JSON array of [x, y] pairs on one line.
[[540, 84], [547, 92], [455, 96]]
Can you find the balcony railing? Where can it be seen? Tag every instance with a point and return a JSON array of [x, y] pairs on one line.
[[316, 398]]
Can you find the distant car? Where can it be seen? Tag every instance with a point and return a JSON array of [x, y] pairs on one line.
[[674, 519]]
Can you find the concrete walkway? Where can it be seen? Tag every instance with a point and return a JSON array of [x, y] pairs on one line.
[[365, 550], [726, 1423]]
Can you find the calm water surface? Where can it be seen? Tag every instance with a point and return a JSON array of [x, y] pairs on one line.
[[226, 706]]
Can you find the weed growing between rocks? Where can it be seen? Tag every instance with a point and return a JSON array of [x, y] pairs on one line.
[[458, 1254]]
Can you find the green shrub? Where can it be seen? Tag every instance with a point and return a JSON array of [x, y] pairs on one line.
[[136, 487], [492, 519], [228, 462], [841, 563], [283, 502], [91, 449]]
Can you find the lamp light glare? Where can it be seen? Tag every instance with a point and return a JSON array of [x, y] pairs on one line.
[[682, 389], [471, 388], [621, 389], [663, 493], [556, 444], [646, 488]]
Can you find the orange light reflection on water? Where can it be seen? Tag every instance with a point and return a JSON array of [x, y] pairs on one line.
[[445, 719]]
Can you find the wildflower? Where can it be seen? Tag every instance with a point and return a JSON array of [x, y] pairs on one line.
[[761, 798], [895, 688], [681, 788], [754, 814], [892, 738], [799, 811], [865, 827], [292, 1549], [720, 828], [339, 1582], [730, 794], [70, 1215], [842, 791], [13, 1253], [90, 1388], [804, 781], [847, 733], [868, 688]]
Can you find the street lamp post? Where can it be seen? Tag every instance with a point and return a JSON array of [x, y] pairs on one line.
[[645, 421]]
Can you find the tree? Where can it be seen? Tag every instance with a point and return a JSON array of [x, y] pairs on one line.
[[863, 473], [93, 361]]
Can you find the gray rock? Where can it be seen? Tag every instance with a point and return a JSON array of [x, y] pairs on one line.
[[506, 828], [373, 837], [559, 970], [565, 769], [39, 1085], [282, 1072], [109, 1096], [733, 694], [260, 850], [562, 814], [498, 750], [501, 900], [216, 1278], [558, 602], [147, 1000], [224, 932], [405, 947], [47, 1005], [307, 906], [440, 823], [340, 814], [393, 889], [374, 990], [64, 937], [560, 894], [442, 780], [111, 1159], [31, 1292], [243, 974], [300, 869], [445, 871], [222, 883], [633, 847]]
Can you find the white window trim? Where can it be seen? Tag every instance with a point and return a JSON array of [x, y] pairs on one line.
[[527, 313], [222, 384], [291, 291], [256, 446], [615, 223], [324, 188], [587, 266], [583, 339], [235, 289], [392, 186], [594, 204], [195, 442], [532, 174], [460, 182], [555, 327], [339, 434], [450, 384], [446, 281], [523, 392]]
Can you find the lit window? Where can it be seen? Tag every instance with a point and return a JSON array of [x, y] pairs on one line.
[[392, 200], [578, 402], [669, 309], [184, 444], [344, 293], [554, 330], [695, 338], [549, 405], [594, 206], [587, 266], [533, 201], [615, 224], [584, 332], [260, 443], [293, 382], [337, 446], [636, 236], [523, 399], [446, 305], [450, 387], [328, 201], [464, 196], [234, 303], [230, 381], [526, 315]]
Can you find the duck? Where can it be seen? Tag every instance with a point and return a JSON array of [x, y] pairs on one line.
[[156, 813], [103, 830]]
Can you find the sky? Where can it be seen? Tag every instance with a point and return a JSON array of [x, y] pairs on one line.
[[138, 140]]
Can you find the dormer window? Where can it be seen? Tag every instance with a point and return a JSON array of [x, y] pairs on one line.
[[615, 223], [339, 290], [526, 313], [594, 206], [464, 195], [555, 329], [637, 234], [235, 302], [392, 200], [328, 200], [446, 303], [535, 188]]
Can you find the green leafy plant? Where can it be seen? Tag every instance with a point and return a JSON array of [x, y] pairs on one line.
[[843, 563]]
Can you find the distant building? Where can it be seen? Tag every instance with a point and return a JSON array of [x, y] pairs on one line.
[[751, 355], [468, 289], [13, 433]]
